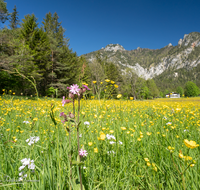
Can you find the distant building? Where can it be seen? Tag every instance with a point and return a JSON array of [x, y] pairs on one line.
[[172, 95]]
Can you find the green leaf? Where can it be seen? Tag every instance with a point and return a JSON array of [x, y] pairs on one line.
[[76, 184], [74, 162]]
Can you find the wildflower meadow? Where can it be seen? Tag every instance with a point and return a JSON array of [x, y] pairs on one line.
[[79, 143]]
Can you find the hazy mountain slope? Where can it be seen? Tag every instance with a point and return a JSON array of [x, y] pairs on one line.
[[149, 63]]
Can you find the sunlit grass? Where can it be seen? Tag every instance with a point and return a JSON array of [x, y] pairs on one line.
[[142, 130]]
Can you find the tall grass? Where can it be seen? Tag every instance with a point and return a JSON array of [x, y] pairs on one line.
[[142, 130]]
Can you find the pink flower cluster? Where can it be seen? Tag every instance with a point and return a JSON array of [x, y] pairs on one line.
[[74, 89], [83, 153]]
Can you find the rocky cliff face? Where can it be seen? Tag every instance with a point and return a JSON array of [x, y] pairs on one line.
[[185, 54]]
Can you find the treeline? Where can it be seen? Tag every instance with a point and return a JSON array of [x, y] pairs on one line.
[[170, 80], [36, 55], [40, 56]]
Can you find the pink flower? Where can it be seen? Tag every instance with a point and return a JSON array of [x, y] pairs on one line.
[[83, 153], [85, 86], [74, 89], [64, 116], [65, 101]]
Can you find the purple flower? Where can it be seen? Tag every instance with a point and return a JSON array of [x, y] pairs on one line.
[[83, 153], [64, 116], [85, 86], [74, 89]]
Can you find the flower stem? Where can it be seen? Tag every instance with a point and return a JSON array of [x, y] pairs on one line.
[[78, 141]]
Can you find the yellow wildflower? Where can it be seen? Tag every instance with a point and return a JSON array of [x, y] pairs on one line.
[[148, 133], [123, 128], [102, 136], [187, 158], [111, 131], [96, 150], [190, 144], [119, 96], [116, 86], [148, 163], [155, 169]]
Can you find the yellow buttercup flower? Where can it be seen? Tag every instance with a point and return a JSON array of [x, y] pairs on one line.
[[131, 98], [102, 136], [107, 80], [190, 144], [155, 169], [123, 128], [146, 159], [111, 131], [180, 155], [187, 158], [96, 150], [116, 86], [113, 82], [148, 133], [90, 143], [148, 163], [119, 96], [94, 82]]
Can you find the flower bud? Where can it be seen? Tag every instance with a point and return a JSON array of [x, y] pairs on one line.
[[71, 95], [67, 101], [84, 89], [71, 115]]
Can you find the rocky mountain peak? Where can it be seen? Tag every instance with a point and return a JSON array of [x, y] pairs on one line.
[[169, 45], [188, 39], [149, 63], [114, 47]]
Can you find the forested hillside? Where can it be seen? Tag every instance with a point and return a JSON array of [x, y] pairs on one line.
[[41, 55]]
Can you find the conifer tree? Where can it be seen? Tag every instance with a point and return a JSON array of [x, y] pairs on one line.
[[63, 63], [3, 11], [36, 42], [14, 20]]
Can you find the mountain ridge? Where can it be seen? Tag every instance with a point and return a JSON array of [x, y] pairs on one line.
[[149, 63]]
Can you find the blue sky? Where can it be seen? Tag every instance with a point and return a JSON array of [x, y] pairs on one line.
[[93, 24]]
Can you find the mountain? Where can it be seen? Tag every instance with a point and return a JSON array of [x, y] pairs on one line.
[[163, 63]]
